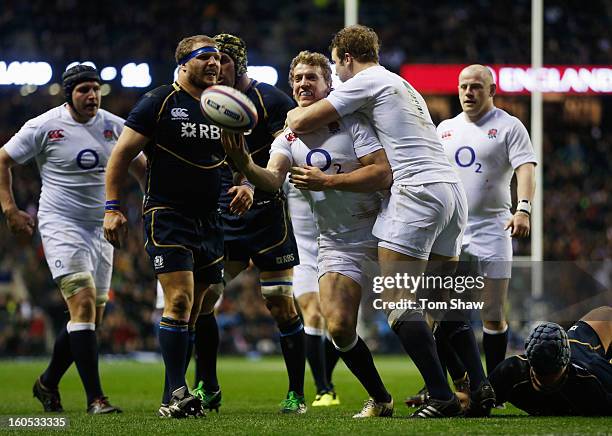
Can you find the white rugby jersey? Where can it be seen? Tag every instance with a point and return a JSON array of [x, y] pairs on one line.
[[485, 155], [402, 122], [335, 149], [71, 158]]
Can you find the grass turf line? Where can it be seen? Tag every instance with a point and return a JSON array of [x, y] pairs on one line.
[[252, 391]]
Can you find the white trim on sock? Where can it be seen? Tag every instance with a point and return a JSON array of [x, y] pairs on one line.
[[348, 347], [495, 332], [80, 326], [313, 331]]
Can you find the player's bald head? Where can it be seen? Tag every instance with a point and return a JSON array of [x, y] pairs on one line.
[[477, 71]]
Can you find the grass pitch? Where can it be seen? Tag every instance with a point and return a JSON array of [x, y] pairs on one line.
[[252, 391]]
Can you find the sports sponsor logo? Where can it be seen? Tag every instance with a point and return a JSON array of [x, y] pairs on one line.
[[446, 134], [194, 130], [492, 133], [158, 262], [179, 113], [285, 259], [55, 135]]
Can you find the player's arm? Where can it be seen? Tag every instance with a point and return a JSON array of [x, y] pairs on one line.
[[268, 179], [138, 169], [18, 221], [525, 190], [503, 379], [128, 146], [375, 175], [307, 119]]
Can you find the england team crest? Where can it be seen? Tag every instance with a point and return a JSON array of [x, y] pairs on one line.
[[492, 133]]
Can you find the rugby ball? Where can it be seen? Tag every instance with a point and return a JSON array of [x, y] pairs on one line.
[[228, 108]]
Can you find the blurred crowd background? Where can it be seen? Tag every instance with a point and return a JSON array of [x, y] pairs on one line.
[[577, 137]]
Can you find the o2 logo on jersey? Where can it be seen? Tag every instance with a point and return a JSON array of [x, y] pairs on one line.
[[313, 155], [87, 159], [466, 157]]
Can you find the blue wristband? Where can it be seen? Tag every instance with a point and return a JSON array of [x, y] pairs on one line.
[[249, 184]]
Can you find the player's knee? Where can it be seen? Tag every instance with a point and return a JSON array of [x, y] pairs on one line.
[[395, 316], [215, 291], [83, 309], [314, 319], [495, 326], [180, 304], [340, 329], [454, 322], [281, 311]]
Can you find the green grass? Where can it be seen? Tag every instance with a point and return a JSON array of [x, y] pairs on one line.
[[251, 393]]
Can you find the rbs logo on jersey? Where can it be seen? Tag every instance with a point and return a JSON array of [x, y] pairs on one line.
[[193, 130]]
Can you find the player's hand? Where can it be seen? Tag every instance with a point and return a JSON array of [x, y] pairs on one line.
[[235, 147], [519, 223], [309, 178], [242, 201], [115, 227], [20, 223]]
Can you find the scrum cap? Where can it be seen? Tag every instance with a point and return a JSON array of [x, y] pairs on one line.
[[75, 75], [235, 48], [547, 348]]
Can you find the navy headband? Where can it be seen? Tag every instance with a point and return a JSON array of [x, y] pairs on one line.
[[197, 52]]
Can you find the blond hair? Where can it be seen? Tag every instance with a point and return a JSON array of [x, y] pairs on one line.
[[313, 59]]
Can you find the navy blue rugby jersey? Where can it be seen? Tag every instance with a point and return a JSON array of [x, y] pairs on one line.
[[580, 393], [272, 106], [184, 155]]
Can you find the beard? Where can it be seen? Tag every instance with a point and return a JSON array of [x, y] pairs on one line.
[[201, 81]]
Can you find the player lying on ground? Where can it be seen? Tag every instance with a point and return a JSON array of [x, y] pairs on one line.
[[561, 373], [343, 156]]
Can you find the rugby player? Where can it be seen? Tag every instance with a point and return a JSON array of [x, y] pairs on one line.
[[71, 144], [342, 156], [561, 373], [423, 218], [487, 146], [183, 232], [322, 357], [262, 235]]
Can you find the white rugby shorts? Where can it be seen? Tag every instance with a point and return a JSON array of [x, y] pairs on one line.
[[423, 219], [72, 247], [305, 277], [353, 258], [488, 246]]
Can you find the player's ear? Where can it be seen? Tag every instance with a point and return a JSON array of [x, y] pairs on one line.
[[492, 90]]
